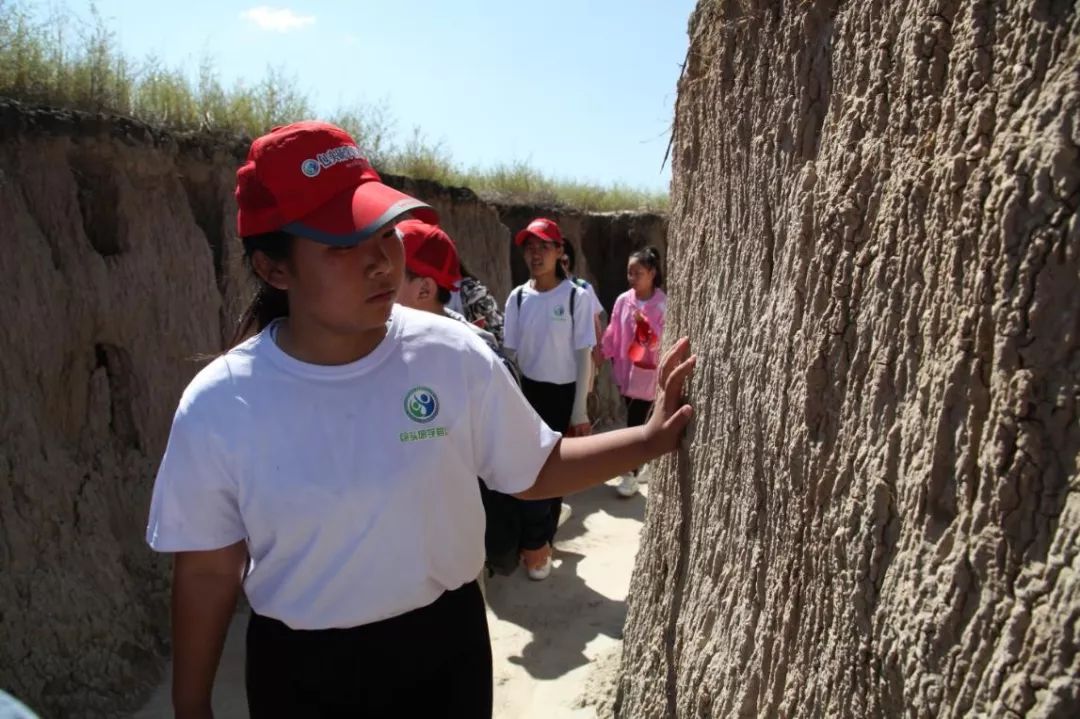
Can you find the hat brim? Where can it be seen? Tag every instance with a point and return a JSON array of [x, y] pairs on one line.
[[357, 214], [520, 237]]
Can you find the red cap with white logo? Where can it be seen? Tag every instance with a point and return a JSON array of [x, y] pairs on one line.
[[542, 228], [310, 179]]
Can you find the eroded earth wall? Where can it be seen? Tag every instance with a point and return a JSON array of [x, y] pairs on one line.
[[109, 294], [875, 246]]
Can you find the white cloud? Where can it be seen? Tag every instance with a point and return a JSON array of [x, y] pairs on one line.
[[276, 19]]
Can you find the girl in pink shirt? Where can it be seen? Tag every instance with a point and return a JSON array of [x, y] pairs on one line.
[[632, 342]]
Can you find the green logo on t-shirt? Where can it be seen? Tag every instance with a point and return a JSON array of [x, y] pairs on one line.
[[421, 405], [422, 434], [559, 312]]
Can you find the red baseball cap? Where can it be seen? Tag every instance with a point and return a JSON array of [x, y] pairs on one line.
[[429, 252], [541, 227], [310, 179]]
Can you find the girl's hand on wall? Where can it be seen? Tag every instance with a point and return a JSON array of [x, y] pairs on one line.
[[671, 413]]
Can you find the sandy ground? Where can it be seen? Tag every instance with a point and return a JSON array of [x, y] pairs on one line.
[[551, 640]]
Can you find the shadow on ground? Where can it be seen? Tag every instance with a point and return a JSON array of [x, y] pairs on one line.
[[563, 613]]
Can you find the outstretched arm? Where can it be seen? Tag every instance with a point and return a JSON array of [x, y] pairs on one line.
[[582, 462], [579, 415]]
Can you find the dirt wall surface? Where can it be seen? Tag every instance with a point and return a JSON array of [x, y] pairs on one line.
[[608, 240], [109, 291], [876, 247]]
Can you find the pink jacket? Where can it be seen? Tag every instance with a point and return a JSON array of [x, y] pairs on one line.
[[620, 333]]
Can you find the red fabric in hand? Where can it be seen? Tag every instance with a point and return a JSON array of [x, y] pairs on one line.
[[644, 338]]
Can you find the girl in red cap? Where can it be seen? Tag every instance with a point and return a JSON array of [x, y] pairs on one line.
[[327, 464], [631, 341], [549, 328]]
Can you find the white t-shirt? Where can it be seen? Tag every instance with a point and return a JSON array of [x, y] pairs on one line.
[[543, 335], [455, 302], [597, 308], [354, 485]]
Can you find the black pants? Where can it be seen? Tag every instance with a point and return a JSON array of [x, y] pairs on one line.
[[502, 531], [554, 403], [637, 413], [432, 661]]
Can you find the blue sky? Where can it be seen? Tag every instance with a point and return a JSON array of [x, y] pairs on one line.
[[582, 89]]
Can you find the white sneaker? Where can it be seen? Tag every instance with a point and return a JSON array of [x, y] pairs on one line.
[[564, 513], [627, 486], [539, 574], [537, 562]]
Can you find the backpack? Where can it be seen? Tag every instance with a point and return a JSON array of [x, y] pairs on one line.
[[502, 517], [511, 365], [480, 308]]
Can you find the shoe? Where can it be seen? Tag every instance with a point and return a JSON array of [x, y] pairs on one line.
[[627, 486], [537, 562], [644, 474], [564, 514]]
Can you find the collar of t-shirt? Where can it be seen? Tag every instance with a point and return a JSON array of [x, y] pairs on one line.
[[362, 366]]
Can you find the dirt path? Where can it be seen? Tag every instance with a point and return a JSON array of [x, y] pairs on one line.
[[548, 638]]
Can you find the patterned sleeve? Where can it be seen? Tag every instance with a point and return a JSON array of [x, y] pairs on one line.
[[480, 308]]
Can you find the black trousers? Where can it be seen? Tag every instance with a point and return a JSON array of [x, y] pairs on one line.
[[637, 413], [554, 403], [432, 661]]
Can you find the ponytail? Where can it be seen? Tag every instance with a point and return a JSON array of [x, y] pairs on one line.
[[269, 303], [650, 257]]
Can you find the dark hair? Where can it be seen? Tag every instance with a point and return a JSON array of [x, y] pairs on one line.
[[442, 294], [650, 257], [269, 303], [571, 254], [464, 271]]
